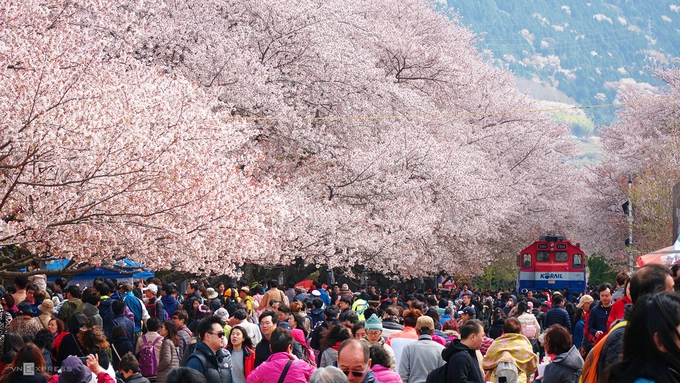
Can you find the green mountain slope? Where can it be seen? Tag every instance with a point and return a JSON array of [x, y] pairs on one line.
[[585, 49]]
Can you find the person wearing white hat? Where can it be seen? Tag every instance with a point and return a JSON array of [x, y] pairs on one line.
[[153, 305]]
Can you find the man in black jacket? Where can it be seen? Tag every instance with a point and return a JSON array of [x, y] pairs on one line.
[[599, 313], [557, 314], [268, 323], [209, 357], [460, 356]]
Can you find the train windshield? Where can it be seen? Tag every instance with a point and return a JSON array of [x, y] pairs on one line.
[[542, 256], [526, 260], [561, 256]]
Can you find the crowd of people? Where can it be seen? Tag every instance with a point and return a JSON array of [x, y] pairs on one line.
[[264, 333]]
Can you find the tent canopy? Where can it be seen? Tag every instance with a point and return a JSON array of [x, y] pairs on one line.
[[86, 278], [667, 256]]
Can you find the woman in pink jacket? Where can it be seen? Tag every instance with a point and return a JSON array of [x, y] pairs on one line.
[[380, 365], [281, 344]]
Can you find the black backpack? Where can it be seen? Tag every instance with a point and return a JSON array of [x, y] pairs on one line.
[[231, 303], [438, 375]]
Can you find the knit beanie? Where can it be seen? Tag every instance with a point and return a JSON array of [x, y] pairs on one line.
[[373, 323]]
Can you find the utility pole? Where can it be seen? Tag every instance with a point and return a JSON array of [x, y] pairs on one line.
[[629, 242]]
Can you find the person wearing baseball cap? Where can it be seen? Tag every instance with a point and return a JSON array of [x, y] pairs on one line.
[[247, 300], [154, 306], [585, 302], [465, 314], [421, 357]]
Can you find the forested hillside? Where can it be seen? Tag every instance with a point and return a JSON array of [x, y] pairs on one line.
[[587, 50]]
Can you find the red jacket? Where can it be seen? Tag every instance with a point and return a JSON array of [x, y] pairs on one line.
[[586, 333], [57, 341], [617, 310]]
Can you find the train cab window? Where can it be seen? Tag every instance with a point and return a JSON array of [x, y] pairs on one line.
[[526, 260], [578, 261], [561, 256], [542, 256]]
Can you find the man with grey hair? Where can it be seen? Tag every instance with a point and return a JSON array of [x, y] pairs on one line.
[[354, 360], [328, 374]]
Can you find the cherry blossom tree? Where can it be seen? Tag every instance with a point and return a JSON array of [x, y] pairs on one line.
[[642, 145], [397, 146], [202, 135], [104, 157]]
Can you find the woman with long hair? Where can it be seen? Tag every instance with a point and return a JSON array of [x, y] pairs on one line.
[[296, 321], [651, 343], [169, 357], [27, 354], [307, 352], [242, 354], [450, 328], [330, 342], [13, 343], [579, 325], [93, 341], [497, 321], [530, 327], [70, 344], [120, 345], [299, 309]]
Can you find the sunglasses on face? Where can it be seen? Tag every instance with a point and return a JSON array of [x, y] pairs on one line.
[[219, 334], [356, 374]]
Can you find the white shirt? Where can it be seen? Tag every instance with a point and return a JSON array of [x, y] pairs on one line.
[[252, 330]]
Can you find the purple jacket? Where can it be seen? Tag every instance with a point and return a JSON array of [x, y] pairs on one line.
[[270, 371], [385, 375]]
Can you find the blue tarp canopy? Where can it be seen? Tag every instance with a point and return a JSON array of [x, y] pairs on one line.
[[86, 278]]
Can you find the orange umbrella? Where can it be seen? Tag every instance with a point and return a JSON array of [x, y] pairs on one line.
[[666, 256]]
